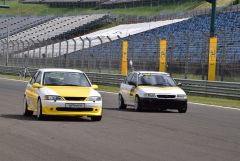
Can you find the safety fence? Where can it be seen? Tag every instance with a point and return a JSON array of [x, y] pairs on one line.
[[209, 88], [186, 54]]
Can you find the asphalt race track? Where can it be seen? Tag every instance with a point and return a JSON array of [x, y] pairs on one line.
[[202, 134]]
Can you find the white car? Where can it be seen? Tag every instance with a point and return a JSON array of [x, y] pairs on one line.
[[62, 92], [151, 90]]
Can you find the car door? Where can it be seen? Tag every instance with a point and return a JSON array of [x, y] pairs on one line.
[[124, 88], [32, 93], [132, 89], [29, 90]]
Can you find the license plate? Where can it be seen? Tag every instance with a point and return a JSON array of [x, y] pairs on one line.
[[74, 105]]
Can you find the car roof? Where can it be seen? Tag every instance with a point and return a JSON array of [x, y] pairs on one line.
[[59, 70], [151, 72]]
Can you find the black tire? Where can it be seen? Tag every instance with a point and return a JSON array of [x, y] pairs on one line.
[[96, 118], [121, 104], [26, 112], [182, 109], [138, 105], [40, 116]]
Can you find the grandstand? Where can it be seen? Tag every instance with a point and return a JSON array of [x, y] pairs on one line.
[[57, 28], [187, 39], [198, 27], [64, 41], [17, 24], [100, 37]]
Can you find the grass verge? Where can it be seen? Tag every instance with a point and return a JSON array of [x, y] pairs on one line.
[[14, 77], [196, 99], [17, 8], [214, 101]]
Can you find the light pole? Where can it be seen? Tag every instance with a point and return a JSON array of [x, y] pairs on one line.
[[212, 55], [213, 15], [7, 44]]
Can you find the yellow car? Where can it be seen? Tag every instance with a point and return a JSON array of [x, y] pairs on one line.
[[62, 92]]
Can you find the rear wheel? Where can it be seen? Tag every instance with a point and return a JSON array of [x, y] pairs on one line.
[[121, 104], [138, 105], [40, 116], [182, 109], [96, 118], [26, 112]]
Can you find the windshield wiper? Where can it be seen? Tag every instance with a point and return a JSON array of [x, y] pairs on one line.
[[70, 85], [145, 84], [52, 84], [160, 84]]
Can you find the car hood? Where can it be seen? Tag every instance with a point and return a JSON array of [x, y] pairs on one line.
[[161, 90], [66, 91]]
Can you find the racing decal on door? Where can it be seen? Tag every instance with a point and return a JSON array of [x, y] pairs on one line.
[[132, 91]]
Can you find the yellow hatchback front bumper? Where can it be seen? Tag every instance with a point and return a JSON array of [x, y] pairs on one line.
[[62, 111]]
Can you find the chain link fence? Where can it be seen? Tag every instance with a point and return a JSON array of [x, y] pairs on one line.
[[187, 54]]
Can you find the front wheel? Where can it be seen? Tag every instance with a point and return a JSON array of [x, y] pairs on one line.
[[96, 118], [182, 109], [26, 112], [40, 116], [121, 104], [138, 105]]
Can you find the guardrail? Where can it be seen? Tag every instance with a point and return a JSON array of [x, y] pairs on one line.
[[199, 87]]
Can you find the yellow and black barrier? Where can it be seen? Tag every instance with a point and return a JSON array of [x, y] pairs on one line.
[[163, 55], [124, 66], [212, 59]]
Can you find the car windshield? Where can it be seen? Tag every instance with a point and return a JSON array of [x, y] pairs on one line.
[[156, 80], [65, 79]]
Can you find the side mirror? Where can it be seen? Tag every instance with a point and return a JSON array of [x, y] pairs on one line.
[[36, 85], [179, 84], [94, 86]]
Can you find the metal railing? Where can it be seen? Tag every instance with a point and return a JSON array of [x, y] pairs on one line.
[[199, 87], [187, 54]]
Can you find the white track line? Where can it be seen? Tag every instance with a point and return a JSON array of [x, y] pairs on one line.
[[108, 92], [14, 80], [200, 104], [215, 106]]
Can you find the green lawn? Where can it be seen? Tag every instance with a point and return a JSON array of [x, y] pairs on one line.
[[156, 10], [14, 77], [234, 78], [197, 99], [42, 9], [215, 101], [220, 3]]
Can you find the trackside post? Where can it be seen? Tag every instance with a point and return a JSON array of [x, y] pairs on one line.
[[212, 59], [124, 69], [163, 55]]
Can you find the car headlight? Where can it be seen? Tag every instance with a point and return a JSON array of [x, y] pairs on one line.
[[94, 98], [150, 95], [182, 96], [53, 97]]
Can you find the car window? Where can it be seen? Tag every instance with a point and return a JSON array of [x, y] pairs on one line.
[[33, 80], [156, 80], [38, 79], [65, 79]]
